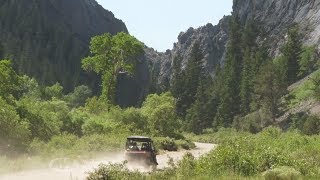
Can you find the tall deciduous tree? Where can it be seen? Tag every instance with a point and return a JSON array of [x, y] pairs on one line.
[[111, 55]]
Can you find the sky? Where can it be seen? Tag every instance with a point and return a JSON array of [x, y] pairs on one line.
[[158, 23]]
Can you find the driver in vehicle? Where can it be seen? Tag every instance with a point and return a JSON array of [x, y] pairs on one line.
[[133, 146]]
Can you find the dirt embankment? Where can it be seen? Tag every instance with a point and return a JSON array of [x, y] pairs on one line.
[[78, 170]]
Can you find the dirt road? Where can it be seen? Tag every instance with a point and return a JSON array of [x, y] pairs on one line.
[[77, 171]]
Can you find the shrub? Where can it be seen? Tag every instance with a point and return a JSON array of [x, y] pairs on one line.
[[98, 125], [311, 125], [186, 167], [46, 118], [114, 172], [282, 173], [185, 144], [79, 96], [95, 105], [132, 118], [165, 144]]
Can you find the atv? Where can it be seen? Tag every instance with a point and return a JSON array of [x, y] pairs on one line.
[[140, 149]]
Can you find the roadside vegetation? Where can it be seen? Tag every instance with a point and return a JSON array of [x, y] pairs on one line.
[[270, 154]]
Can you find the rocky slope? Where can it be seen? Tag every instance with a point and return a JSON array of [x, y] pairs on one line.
[[273, 16], [48, 38], [212, 41]]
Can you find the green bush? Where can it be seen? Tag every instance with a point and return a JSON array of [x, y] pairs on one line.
[[114, 172], [311, 125], [132, 118], [186, 167], [282, 173], [165, 143], [46, 118], [79, 96], [185, 144], [253, 122], [99, 125]]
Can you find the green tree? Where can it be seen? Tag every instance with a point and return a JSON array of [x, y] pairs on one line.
[[110, 56], [189, 81], [79, 96], [309, 60], [230, 98], [177, 77], [269, 88], [248, 73], [198, 116], [30, 87], [161, 115], [291, 52], [54, 91], [10, 82], [1, 51], [246, 86], [14, 132]]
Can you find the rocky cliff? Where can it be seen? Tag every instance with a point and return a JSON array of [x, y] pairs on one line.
[[212, 41], [48, 38], [274, 17]]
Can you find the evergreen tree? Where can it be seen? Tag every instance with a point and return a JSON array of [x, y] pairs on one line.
[[177, 77], [198, 116], [246, 87], [309, 60], [230, 99], [247, 74], [1, 51], [292, 53], [190, 81], [269, 88]]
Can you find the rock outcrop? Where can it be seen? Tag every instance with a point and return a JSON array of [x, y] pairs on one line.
[[212, 41], [274, 17]]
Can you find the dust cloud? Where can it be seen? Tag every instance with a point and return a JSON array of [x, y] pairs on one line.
[[68, 169], [65, 169]]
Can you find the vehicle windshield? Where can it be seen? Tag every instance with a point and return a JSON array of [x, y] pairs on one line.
[[134, 145]]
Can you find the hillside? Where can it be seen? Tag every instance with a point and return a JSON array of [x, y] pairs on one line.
[[47, 39]]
